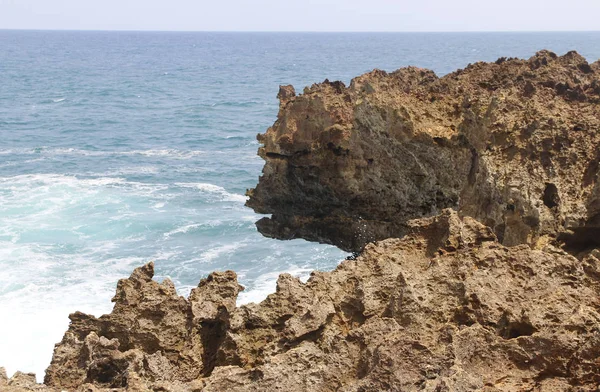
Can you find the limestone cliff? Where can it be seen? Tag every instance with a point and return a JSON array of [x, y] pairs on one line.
[[514, 144]]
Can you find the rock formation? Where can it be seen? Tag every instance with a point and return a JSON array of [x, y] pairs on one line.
[[446, 308], [514, 144], [444, 302]]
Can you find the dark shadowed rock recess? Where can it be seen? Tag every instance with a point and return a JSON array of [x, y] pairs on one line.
[[474, 200]]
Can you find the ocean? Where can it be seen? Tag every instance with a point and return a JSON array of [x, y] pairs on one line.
[[117, 148]]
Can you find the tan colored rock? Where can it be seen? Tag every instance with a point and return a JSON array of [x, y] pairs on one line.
[[471, 315], [152, 335], [21, 382], [446, 308], [514, 144]]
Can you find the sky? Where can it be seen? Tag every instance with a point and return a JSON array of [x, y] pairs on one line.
[[302, 15]]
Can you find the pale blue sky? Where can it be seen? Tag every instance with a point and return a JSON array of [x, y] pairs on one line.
[[302, 15]]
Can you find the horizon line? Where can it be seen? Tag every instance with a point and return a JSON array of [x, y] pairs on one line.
[[303, 31]]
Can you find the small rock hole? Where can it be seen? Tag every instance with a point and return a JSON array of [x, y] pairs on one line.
[[514, 329], [108, 372], [519, 329], [551, 198]]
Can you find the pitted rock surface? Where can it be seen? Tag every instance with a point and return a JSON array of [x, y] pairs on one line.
[[514, 144], [446, 308]]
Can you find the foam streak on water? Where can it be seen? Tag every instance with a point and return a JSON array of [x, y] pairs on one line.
[[121, 148]]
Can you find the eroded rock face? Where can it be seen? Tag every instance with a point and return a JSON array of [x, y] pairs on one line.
[[152, 335], [446, 308], [514, 144], [20, 382]]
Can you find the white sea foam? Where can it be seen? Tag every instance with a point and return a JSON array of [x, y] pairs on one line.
[[11, 151], [58, 179], [126, 171], [265, 284], [214, 189], [168, 153], [219, 251], [41, 186], [39, 288], [164, 153], [182, 230]]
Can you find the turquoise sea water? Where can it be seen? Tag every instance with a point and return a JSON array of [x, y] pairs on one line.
[[120, 148]]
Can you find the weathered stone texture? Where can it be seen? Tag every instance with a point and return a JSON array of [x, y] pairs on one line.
[[514, 144]]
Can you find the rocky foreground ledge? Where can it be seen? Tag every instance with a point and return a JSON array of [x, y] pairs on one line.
[[452, 304], [446, 308]]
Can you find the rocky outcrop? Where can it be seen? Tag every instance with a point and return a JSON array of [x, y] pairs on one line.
[[514, 144], [446, 308], [20, 382], [152, 335]]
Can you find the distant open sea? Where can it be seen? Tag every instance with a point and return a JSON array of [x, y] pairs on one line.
[[117, 148]]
